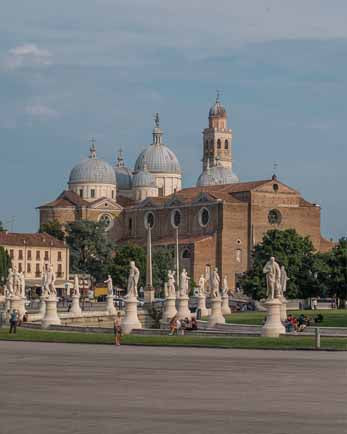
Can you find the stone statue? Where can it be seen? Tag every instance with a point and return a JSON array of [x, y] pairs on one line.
[[171, 290], [215, 283], [273, 278], [225, 285], [16, 282], [207, 279], [202, 282], [109, 285], [76, 286], [44, 283], [184, 284], [22, 284], [133, 280], [51, 282], [284, 280], [10, 282]]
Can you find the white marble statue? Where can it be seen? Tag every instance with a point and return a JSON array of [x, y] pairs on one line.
[[44, 283], [202, 282], [273, 278], [16, 282], [51, 282], [171, 290], [284, 280], [215, 283], [22, 284], [76, 286], [10, 282], [225, 288], [207, 279], [184, 283], [133, 280], [109, 283]]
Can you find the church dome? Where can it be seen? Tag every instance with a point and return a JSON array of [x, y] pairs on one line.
[[158, 158], [143, 179], [217, 109], [92, 170], [124, 175], [217, 175]]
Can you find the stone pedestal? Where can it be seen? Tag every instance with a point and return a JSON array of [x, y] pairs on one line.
[[216, 316], [42, 306], [18, 303], [75, 307], [149, 295], [130, 320], [273, 326], [111, 310], [51, 314], [169, 308], [283, 301], [202, 305], [183, 309], [7, 304], [225, 305]]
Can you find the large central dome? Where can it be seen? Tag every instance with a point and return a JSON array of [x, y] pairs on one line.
[[92, 170], [158, 159]]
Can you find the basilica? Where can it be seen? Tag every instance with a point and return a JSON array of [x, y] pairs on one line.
[[216, 222]]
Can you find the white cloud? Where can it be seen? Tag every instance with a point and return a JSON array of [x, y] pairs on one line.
[[41, 111], [27, 55]]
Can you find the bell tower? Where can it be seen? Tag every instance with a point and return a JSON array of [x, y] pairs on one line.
[[217, 138]]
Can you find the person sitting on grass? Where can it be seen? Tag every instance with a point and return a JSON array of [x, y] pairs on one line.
[[194, 324], [318, 318], [173, 326], [301, 323]]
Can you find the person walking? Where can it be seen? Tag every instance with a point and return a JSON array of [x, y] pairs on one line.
[[118, 329], [13, 321]]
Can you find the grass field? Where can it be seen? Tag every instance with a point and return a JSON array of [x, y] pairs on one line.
[[332, 318], [300, 342]]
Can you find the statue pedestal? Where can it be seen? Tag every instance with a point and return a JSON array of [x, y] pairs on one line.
[[225, 305], [273, 326], [216, 316], [149, 295], [283, 301], [51, 315], [202, 305], [183, 309], [130, 320], [75, 307], [7, 304], [18, 303], [169, 308], [111, 310], [42, 306]]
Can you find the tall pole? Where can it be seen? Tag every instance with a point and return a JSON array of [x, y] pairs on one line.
[[149, 292], [177, 258]]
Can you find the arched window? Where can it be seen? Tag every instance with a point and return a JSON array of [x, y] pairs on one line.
[[130, 225], [219, 144], [186, 254], [226, 144]]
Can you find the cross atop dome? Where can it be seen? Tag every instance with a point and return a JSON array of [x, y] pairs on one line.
[[120, 159], [92, 149]]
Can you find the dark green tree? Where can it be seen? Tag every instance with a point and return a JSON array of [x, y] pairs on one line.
[[337, 261], [2, 229], [5, 264], [163, 261], [119, 266], [54, 228], [90, 250], [296, 253]]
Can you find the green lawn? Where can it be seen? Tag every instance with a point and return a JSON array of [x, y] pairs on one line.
[[332, 318], [299, 342]]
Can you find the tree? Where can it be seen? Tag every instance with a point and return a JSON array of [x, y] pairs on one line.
[[163, 261], [54, 228], [2, 229], [337, 261], [306, 270], [5, 264], [119, 266], [90, 250]]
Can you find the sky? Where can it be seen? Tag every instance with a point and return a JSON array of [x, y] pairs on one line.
[[72, 70]]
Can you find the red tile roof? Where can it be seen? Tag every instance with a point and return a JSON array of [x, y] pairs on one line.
[[66, 199], [35, 240]]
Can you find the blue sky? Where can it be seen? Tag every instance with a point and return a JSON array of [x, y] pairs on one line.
[[70, 70]]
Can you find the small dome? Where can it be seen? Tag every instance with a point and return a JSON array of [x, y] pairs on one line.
[[158, 159], [92, 170], [217, 175], [124, 175], [144, 179], [217, 109]]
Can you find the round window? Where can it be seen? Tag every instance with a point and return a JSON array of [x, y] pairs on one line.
[[149, 220], [107, 220], [204, 217], [274, 217], [176, 218]]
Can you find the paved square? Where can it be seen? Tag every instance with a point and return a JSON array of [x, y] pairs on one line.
[[64, 388]]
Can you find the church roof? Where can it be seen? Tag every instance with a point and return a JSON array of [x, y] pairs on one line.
[[37, 239], [66, 199]]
